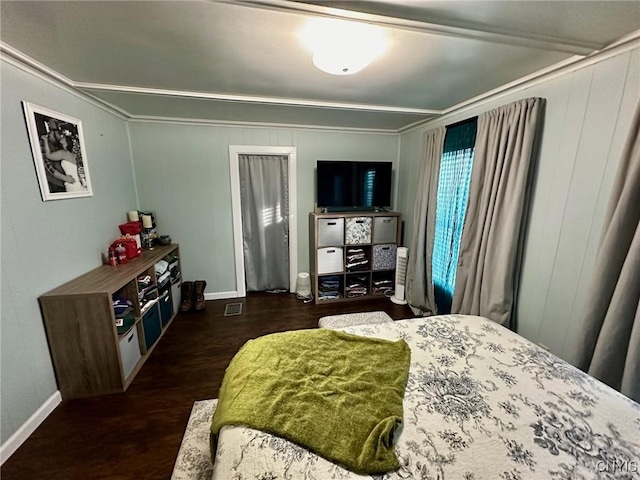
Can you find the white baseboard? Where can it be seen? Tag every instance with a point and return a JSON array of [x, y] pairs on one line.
[[18, 438], [220, 295]]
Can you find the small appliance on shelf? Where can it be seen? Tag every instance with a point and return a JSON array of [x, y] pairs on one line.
[[132, 230]]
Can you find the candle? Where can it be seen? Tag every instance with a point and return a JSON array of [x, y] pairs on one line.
[[133, 216], [146, 221]]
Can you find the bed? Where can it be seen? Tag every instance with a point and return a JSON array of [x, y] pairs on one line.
[[481, 402]]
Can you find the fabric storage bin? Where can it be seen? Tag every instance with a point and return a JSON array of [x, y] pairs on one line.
[[330, 260], [166, 308], [129, 351], [358, 230], [175, 296], [385, 229], [384, 257], [330, 231], [151, 326]]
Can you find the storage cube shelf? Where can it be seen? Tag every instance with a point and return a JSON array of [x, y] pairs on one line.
[[89, 356], [353, 254]]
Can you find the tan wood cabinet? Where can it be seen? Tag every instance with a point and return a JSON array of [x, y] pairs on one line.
[[90, 355], [353, 255]]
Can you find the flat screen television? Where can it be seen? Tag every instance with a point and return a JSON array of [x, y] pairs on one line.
[[352, 185]]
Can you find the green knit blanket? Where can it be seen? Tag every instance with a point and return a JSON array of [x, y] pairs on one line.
[[336, 394]]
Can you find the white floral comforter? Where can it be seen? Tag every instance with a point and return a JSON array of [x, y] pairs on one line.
[[481, 403]]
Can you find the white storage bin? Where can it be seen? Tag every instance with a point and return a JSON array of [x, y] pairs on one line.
[[385, 229], [384, 257], [129, 351], [358, 230], [330, 260], [330, 231], [175, 296]]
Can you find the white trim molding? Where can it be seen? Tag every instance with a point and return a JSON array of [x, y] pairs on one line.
[[263, 125], [508, 37], [630, 42], [294, 102], [27, 64], [12, 444], [236, 205], [221, 295], [583, 58]]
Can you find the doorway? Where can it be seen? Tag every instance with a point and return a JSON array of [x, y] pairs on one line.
[[260, 222]]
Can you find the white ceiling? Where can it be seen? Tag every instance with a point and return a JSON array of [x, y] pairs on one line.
[[241, 61]]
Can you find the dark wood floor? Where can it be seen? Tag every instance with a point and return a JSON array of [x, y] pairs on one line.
[[136, 435]]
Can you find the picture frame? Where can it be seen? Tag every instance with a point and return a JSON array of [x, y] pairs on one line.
[[59, 153]]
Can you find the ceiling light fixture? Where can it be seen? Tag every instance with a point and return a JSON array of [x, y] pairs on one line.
[[343, 48]]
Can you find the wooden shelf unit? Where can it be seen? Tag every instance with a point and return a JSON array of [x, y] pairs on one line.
[[334, 234], [80, 322]]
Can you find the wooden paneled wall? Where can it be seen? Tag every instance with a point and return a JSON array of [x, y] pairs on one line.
[[182, 171], [587, 118], [580, 153]]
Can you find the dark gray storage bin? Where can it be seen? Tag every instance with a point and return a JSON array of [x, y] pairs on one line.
[[151, 326], [330, 231], [385, 229], [166, 307]]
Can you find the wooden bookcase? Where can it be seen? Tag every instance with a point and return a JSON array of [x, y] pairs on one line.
[[90, 357], [352, 255]]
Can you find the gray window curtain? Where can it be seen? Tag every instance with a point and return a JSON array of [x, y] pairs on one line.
[[608, 343], [420, 293], [264, 195], [492, 237]]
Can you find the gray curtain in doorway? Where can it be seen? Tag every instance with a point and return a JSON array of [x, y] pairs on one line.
[[264, 195], [491, 243], [420, 293], [608, 343]]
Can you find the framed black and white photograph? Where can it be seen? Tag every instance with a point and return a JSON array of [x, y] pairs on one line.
[[59, 153]]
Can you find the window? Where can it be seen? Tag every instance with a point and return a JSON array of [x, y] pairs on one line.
[[369, 183], [452, 197]]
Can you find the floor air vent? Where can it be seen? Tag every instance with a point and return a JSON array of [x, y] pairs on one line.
[[231, 309]]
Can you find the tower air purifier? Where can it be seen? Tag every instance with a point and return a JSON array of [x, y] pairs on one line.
[[401, 276]]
